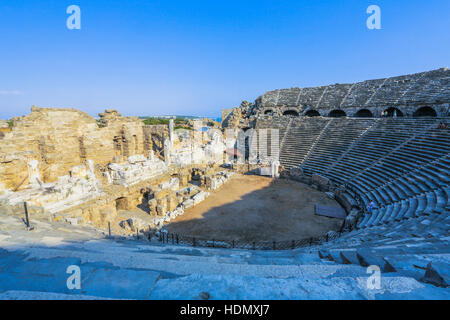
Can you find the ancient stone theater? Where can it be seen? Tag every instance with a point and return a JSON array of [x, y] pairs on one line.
[[303, 194]]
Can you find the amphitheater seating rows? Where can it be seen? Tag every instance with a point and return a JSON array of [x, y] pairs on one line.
[[425, 89], [362, 92], [393, 89], [402, 164], [310, 96], [334, 95], [420, 88], [385, 136], [334, 141], [299, 140], [286, 97], [279, 123]]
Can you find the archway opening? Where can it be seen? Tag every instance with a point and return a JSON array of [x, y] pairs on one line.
[[268, 112], [312, 113], [290, 113], [337, 114], [364, 113], [425, 112], [393, 112], [122, 203]]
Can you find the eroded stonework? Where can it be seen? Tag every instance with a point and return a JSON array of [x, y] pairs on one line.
[[70, 167]]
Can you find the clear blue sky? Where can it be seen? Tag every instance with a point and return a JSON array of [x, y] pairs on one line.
[[197, 57]]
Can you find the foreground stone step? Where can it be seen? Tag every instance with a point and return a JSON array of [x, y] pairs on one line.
[[256, 288], [143, 261]]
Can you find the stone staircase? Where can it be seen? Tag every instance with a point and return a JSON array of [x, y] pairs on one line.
[[33, 266]]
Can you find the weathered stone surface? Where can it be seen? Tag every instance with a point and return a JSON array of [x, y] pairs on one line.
[[133, 224], [68, 191], [61, 139], [321, 181], [296, 172], [139, 169], [433, 277], [407, 93]]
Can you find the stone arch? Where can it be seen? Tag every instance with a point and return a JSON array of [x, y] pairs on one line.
[[364, 113], [337, 113], [290, 113], [312, 113], [425, 112], [392, 110], [122, 203], [268, 112]]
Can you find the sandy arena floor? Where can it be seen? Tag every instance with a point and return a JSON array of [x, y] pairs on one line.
[[254, 208]]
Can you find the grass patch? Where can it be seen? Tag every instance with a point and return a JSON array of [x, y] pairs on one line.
[[158, 121], [100, 124]]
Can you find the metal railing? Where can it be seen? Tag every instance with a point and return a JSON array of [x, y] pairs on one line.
[[177, 239]]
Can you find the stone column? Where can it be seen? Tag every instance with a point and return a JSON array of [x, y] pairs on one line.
[[167, 151], [33, 173], [171, 126]]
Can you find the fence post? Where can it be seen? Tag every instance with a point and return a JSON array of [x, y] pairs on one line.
[[193, 241], [137, 234], [173, 241], [274, 245], [27, 221], [326, 237], [213, 244], [232, 244], [293, 244], [178, 241], [254, 245], [109, 229], [310, 241]]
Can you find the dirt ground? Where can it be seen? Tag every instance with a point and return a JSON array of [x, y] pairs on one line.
[[255, 208]]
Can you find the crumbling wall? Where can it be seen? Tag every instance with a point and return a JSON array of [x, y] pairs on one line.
[[154, 136], [60, 139]]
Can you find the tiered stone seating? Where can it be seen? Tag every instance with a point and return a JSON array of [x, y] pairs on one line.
[[442, 95], [426, 88], [394, 89], [138, 269], [279, 123], [362, 92], [409, 90], [414, 153], [269, 99], [402, 165], [336, 139], [311, 96], [300, 139], [376, 143], [334, 95], [289, 97]]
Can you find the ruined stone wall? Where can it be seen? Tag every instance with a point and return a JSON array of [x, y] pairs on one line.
[[154, 136], [60, 139]]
